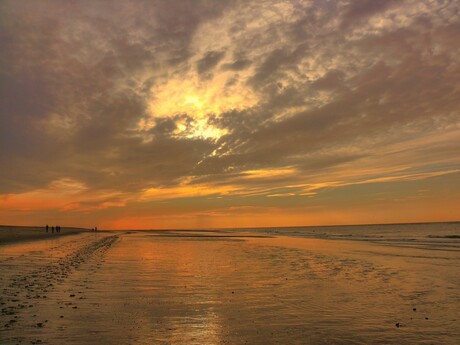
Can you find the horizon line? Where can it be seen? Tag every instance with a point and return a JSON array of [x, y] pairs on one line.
[[251, 227]]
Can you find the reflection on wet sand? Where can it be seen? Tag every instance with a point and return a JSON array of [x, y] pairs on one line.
[[228, 287]]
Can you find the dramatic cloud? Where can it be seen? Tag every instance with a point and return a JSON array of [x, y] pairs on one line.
[[178, 113]]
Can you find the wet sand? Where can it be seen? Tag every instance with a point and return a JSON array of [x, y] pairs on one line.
[[226, 287], [11, 234]]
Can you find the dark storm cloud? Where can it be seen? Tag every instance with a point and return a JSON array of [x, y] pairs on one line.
[[337, 83], [359, 10], [278, 61], [237, 65], [332, 80], [209, 61]]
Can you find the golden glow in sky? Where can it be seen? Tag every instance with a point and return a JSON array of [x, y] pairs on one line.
[[198, 99]]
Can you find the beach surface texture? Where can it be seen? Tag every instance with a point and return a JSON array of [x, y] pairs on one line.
[[392, 284], [10, 234]]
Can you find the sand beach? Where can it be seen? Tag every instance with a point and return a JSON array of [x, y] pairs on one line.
[[231, 287], [11, 234]]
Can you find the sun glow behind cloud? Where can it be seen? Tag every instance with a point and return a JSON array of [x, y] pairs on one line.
[[197, 99]]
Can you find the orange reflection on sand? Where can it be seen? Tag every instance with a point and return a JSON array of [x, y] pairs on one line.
[[184, 274]]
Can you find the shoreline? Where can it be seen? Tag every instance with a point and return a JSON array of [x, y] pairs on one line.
[[448, 231], [19, 234]]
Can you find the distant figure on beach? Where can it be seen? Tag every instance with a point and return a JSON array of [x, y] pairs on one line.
[[58, 228], [95, 229], [46, 227], [52, 229]]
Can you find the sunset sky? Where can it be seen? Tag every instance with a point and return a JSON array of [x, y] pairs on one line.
[[200, 113]]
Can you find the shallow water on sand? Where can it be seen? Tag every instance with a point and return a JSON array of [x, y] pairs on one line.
[[226, 287]]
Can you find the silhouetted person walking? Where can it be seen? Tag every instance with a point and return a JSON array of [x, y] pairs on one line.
[[46, 227], [52, 229]]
